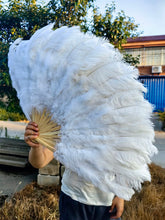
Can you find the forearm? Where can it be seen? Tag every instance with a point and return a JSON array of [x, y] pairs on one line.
[[37, 157]]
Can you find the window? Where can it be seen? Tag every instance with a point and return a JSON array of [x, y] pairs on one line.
[[149, 56]]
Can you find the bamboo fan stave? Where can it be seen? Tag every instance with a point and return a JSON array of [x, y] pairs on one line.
[[49, 130]]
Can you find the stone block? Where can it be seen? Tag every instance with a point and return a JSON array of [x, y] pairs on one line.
[[48, 180], [51, 169]]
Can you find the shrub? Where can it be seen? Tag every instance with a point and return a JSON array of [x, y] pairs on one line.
[[4, 114], [162, 119], [16, 116], [12, 116]]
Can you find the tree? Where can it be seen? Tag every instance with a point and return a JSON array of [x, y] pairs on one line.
[[21, 18], [115, 29], [70, 12]]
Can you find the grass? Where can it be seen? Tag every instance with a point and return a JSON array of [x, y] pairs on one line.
[[33, 202], [41, 203], [149, 204]]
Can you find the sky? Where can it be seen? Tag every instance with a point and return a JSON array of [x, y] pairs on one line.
[[149, 14]]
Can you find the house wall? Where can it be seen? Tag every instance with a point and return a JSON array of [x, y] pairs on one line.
[[147, 70], [151, 50]]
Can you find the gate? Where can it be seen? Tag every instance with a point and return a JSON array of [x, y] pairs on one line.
[[155, 90]]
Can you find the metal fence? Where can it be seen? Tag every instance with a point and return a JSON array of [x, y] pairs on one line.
[[155, 90]]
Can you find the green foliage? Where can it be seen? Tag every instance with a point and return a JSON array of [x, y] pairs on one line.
[[129, 58], [21, 18], [12, 116], [16, 116], [70, 12], [115, 29], [4, 115], [162, 118]]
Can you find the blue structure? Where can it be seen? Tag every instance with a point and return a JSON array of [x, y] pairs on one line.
[[156, 90]]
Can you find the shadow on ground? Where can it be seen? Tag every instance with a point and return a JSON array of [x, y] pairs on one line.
[[13, 179]]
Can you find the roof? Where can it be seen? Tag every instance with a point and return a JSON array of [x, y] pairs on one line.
[[146, 38], [145, 41]]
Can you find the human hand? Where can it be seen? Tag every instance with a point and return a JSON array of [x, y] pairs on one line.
[[117, 203], [31, 133]]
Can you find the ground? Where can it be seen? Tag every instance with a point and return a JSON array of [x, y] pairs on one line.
[[14, 179]]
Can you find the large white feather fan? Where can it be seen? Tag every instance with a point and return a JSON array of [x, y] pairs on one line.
[[96, 100]]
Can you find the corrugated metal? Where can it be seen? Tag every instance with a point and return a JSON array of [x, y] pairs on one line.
[[155, 90]]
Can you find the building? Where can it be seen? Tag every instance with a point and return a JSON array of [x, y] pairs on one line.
[[152, 53]]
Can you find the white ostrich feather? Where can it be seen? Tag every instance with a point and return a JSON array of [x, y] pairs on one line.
[[106, 133]]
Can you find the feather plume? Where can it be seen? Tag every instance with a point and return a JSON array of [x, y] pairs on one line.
[[106, 135]]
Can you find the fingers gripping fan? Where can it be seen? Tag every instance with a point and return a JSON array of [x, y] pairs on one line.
[[89, 106]]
